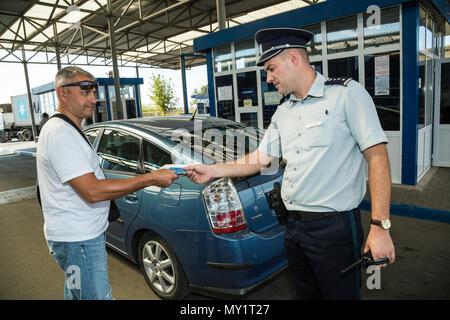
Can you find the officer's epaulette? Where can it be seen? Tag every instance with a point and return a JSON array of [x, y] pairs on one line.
[[341, 81], [283, 99]]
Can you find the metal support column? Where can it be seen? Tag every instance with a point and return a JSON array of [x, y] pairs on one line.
[[58, 57], [138, 95], [183, 76], [112, 41], [183, 80], [221, 14], [30, 99]]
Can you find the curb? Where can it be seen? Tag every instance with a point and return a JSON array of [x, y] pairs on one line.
[[412, 211]]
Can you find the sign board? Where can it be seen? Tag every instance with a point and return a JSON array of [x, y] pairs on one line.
[[382, 75]]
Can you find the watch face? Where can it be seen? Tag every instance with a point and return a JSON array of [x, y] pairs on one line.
[[386, 223]]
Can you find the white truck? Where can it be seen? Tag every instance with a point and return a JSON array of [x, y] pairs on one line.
[[21, 126]]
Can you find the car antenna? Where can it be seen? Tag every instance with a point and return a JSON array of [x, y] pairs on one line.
[[204, 91], [193, 116]]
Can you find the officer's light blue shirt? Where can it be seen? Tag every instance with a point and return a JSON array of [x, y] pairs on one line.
[[322, 138]]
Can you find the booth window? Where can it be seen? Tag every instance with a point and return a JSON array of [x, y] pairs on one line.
[[317, 66], [222, 58], [344, 67], [342, 35], [100, 93], [445, 94], [422, 60], [447, 41], [382, 82], [429, 33], [429, 85], [247, 89], [112, 92], [315, 45], [127, 91], [250, 119], [384, 33], [224, 93], [100, 114], [425, 90], [425, 31], [245, 54], [270, 99]]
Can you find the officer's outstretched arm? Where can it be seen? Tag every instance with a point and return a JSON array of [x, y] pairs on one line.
[[245, 166]]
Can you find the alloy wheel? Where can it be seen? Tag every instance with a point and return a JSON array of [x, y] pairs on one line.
[[159, 267]]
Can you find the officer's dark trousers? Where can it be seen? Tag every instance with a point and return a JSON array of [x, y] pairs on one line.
[[318, 250]]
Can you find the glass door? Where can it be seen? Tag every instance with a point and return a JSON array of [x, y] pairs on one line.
[[441, 141], [248, 101], [428, 57], [248, 108]]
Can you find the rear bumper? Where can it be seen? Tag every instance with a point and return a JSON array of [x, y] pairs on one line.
[[236, 263], [233, 292]]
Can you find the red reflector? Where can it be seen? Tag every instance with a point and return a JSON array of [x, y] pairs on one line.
[[230, 222]]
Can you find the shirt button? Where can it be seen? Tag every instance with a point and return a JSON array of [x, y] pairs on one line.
[[295, 169], [298, 151], [299, 134]]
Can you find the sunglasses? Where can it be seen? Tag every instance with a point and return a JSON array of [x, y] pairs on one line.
[[84, 85]]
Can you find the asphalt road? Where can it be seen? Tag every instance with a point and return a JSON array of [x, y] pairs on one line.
[[27, 271]]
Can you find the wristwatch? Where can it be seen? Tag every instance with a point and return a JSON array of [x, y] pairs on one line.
[[385, 223]]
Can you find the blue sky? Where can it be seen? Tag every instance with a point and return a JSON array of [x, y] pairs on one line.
[[12, 80]]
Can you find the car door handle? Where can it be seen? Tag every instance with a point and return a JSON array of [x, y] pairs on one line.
[[132, 197]]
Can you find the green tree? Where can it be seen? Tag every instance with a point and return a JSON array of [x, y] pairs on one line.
[[163, 93]]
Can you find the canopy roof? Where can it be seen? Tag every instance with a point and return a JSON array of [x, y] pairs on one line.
[[148, 32]]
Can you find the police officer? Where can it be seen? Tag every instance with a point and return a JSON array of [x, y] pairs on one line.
[[325, 130]]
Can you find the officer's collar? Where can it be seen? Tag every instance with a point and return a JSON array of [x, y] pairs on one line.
[[316, 89]]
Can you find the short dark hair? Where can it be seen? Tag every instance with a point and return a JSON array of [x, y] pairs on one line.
[[302, 52]]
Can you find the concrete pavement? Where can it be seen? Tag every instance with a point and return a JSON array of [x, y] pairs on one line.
[[27, 271]]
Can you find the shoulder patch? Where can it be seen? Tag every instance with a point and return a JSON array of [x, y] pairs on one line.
[[341, 81]]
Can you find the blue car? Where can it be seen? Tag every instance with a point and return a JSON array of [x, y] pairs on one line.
[[218, 238]]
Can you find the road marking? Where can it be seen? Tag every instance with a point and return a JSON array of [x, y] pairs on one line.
[[17, 195], [21, 152]]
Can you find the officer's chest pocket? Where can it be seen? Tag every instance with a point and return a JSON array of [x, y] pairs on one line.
[[317, 129]]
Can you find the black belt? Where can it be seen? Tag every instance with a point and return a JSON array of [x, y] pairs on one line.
[[308, 216]]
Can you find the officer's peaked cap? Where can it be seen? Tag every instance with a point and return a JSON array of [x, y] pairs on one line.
[[274, 40]]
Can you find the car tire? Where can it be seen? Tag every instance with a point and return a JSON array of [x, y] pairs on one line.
[[161, 268]]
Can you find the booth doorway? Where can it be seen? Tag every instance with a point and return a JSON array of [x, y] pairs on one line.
[[441, 134]]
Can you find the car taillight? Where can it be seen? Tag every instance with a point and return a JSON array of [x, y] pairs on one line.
[[224, 207]]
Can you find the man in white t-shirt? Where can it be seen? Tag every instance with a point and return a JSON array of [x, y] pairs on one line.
[[74, 192]]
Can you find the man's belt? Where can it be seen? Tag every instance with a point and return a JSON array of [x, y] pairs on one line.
[[308, 216]]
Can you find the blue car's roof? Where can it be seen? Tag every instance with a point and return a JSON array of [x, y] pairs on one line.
[[166, 125]]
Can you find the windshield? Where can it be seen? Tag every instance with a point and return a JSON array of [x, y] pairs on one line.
[[218, 144]]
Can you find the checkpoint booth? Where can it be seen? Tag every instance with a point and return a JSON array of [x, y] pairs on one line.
[[399, 50], [106, 108]]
